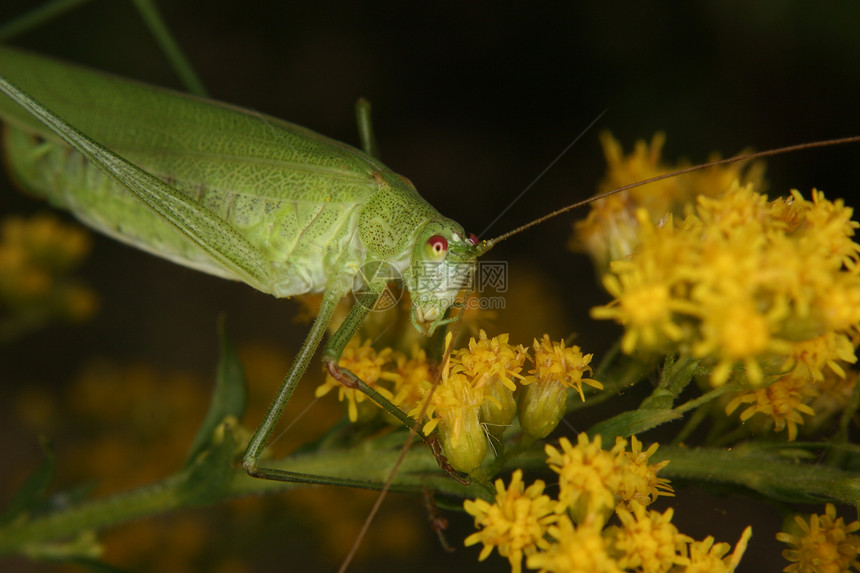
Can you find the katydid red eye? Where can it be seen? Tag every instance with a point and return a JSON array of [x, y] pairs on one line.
[[436, 248], [473, 239]]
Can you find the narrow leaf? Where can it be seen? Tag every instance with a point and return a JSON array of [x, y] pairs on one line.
[[209, 476], [229, 398], [631, 423], [32, 491]]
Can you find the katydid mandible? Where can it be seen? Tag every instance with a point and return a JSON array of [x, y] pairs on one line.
[[243, 196]]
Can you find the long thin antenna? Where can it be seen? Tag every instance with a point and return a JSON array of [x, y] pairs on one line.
[[490, 243], [544, 172]]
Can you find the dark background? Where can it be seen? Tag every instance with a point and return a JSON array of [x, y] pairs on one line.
[[471, 101]]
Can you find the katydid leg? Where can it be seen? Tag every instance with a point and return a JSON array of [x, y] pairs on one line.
[[331, 356], [365, 128], [264, 432]]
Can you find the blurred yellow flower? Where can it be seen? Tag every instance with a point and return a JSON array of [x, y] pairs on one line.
[[784, 401], [611, 230], [37, 256], [823, 544]]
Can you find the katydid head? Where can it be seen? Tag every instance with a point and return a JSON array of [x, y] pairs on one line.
[[443, 258]]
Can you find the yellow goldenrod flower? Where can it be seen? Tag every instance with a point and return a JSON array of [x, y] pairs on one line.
[[708, 557], [581, 549], [455, 407], [411, 375], [493, 365], [833, 225], [784, 402], [515, 524], [565, 365], [490, 361], [474, 399], [593, 481], [824, 544], [640, 483], [366, 363], [589, 477], [543, 399], [809, 357], [647, 540], [740, 283], [643, 290]]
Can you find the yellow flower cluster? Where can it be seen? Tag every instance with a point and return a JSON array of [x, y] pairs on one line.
[[484, 387], [36, 257], [753, 288], [824, 543], [571, 533], [765, 294], [594, 481], [479, 391], [611, 230]]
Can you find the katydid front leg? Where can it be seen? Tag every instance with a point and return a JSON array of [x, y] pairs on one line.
[[331, 356]]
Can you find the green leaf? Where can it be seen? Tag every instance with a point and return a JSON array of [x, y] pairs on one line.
[[229, 399], [631, 423], [208, 478], [32, 491]]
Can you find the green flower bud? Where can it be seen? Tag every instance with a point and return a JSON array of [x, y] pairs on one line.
[[464, 441], [541, 407], [497, 409]]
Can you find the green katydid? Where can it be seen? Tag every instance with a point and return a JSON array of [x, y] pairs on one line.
[[265, 202], [236, 194]]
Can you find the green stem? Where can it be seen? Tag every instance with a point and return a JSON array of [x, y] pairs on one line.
[[703, 399], [770, 470], [419, 470]]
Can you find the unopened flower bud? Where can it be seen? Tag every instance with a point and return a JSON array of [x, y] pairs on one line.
[[541, 407], [464, 441], [498, 409]]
